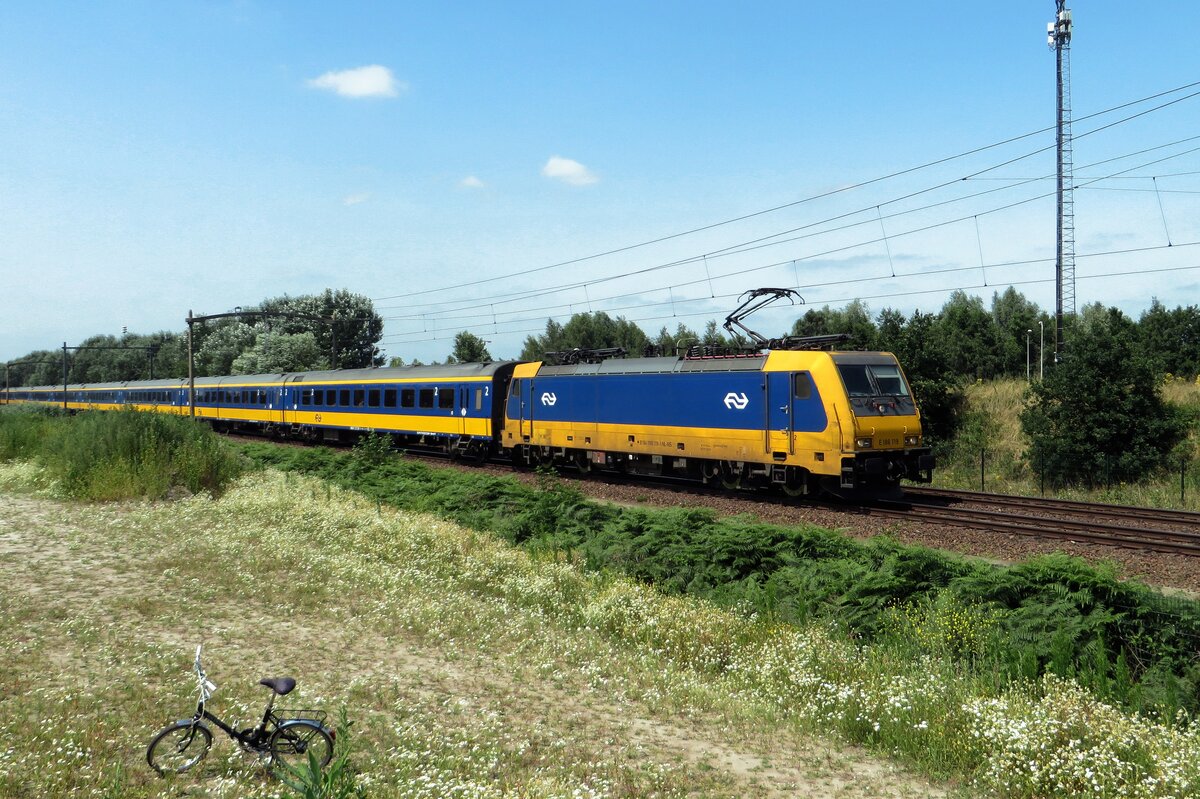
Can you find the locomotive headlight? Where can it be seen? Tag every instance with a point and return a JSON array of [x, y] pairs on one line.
[[911, 441], [862, 443]]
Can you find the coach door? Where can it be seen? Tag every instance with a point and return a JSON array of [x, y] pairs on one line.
[[284, 411], [463, 398]]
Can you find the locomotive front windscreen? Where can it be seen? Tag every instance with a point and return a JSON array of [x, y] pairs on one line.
[[875, 385]]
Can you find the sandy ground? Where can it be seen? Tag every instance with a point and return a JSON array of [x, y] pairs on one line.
[[63, 558]]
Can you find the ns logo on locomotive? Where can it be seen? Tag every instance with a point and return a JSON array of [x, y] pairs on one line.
[[784, 413]]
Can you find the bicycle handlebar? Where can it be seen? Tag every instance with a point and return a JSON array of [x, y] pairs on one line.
[[206, 686]]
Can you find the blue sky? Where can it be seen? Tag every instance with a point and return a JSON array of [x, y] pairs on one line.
[[161, 157]]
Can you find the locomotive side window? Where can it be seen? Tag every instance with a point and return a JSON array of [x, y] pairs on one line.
[[389, 398], [446, 397], [803, 385], [426, 398], [408, 398]]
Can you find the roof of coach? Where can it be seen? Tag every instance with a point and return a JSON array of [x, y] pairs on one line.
[[382, 374]]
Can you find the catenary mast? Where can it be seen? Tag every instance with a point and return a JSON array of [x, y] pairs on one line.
[[1058, 36]]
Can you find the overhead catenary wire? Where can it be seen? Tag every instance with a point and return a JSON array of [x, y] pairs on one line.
[[807, 287], [822, 195], [893, 295], [764, 242], [857, 245]]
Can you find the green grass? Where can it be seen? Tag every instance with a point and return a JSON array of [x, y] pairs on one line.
[[991, 424], [1053, 614], [105, 456], [473, 668]]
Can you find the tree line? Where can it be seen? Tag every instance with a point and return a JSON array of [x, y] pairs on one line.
[[1101, 401], [280, 334]]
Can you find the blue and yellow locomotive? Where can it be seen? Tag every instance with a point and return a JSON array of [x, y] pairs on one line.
[[803, 421]]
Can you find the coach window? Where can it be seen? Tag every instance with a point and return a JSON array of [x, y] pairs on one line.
[[408, 398], [331, 397], [373, 398], [360, 398], [426, 398], [803, 385], [389, 398], [306, 397], [446, 397], [479, 399], [344, 399]]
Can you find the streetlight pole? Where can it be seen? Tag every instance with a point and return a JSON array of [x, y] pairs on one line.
[[1042, 350], [1028, 333], [191, 369]]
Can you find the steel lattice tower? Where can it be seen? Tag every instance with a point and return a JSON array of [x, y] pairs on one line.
[[1058, 36]]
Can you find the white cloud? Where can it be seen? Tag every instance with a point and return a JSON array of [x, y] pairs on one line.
[[568, 171], [355, 199], [372, 81], [471, 182]]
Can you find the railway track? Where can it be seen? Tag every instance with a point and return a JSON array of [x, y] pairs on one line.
[[1143, 529], [1167, 531]]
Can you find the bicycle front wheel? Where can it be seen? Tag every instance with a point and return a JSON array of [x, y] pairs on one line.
[[177, 748], [292, 743]]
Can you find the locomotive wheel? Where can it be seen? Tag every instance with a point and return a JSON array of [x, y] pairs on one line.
[[794, 489], [731, 477]]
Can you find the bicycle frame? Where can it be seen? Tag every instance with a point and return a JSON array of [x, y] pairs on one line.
[[254, 737]]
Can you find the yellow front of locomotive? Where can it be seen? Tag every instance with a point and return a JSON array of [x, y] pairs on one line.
[[880, 434]]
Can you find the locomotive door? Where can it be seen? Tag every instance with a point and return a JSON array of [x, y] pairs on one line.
[[780, 416], [526, 389]]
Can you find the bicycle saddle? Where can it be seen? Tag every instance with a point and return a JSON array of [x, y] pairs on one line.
[[280, 685]]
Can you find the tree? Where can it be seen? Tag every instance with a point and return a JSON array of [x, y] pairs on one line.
[[1013, 316], [969, 335], [586, 331], [854, 320], [217, 345], [275, 353], [1099, 413], [469, 348], [684, 337], [358, 327], [921, 350], [1171, 338]]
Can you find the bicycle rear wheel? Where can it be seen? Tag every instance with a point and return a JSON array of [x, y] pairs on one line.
[[177, 748], [292, 743]]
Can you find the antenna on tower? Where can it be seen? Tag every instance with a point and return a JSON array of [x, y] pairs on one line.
[[1058, 36]]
